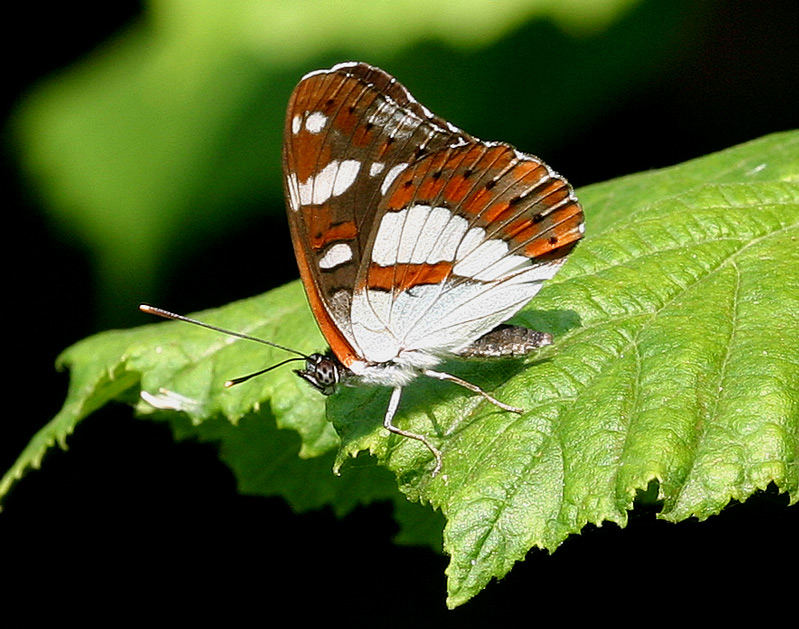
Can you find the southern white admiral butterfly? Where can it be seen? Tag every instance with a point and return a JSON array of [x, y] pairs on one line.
[[415, 240]]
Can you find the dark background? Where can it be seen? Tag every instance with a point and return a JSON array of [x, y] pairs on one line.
[[128, 520]]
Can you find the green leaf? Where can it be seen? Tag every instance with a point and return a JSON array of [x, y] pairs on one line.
[[676, 324]]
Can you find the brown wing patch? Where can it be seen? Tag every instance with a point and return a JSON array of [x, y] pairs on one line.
[[390, 278], [341, 231], [556, 237]]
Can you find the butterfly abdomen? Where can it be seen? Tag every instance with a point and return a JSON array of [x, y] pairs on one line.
[[506, 340]]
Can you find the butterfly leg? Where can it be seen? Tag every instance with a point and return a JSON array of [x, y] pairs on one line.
[[440, 375], [388, 425]]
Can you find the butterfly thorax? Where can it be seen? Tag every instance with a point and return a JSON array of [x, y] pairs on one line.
[[398, 372]]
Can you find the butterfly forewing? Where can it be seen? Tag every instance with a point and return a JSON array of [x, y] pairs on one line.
[[350, 131]]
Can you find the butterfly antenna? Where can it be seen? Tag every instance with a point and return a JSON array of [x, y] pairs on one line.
[[235, 381], [160, 312]]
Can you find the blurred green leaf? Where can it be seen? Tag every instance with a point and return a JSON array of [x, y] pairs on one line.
[[676, 326], [170, 133]]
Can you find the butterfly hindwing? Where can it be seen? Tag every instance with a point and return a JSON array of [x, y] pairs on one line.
[[463, 239]]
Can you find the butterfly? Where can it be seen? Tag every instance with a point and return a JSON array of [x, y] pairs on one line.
[[415, 241]]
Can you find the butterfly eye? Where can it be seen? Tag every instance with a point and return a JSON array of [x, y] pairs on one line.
[[321, 372], [326, 372]]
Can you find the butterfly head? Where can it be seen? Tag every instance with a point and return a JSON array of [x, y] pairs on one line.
[[323, 372]]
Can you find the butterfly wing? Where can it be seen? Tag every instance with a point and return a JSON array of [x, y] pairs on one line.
[[462, 239], [349, 132]]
